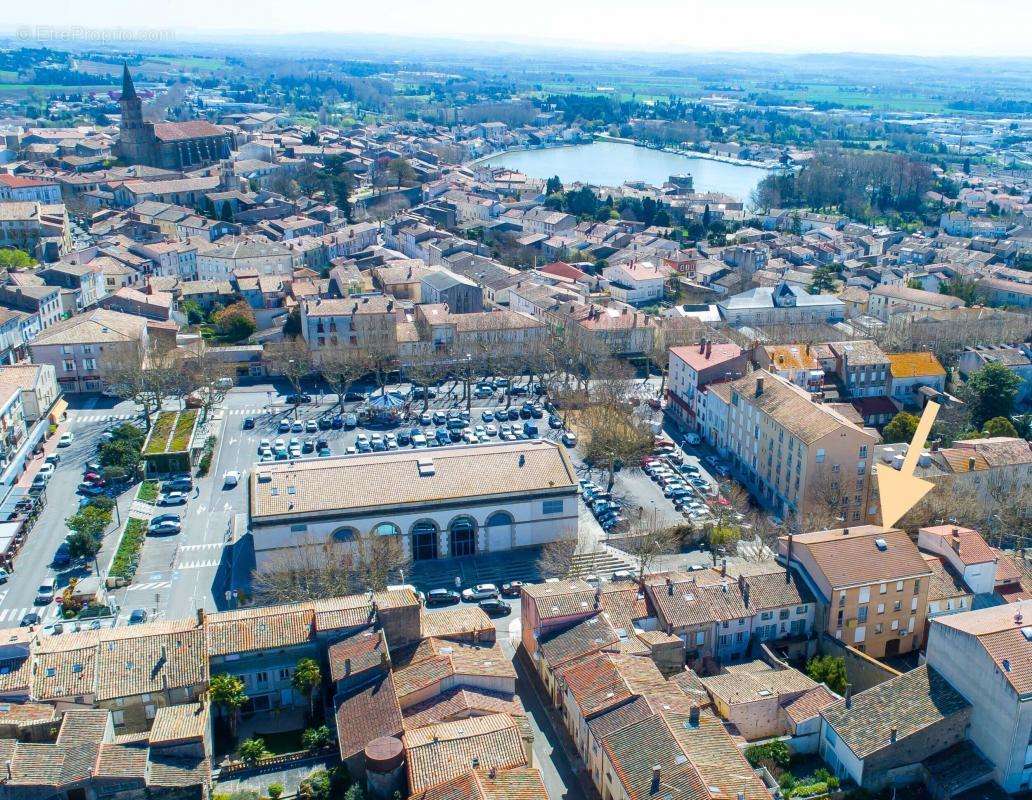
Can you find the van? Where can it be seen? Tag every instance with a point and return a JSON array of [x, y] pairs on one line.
[[530, 429], [224, 383]]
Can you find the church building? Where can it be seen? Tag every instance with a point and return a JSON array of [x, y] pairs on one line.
[[168, 145]]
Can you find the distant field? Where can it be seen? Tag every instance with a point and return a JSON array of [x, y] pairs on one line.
[[49, 88]]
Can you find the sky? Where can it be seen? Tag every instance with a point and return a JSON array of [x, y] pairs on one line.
[[907, 27]]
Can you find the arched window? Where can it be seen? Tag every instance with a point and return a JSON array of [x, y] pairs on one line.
[[499, 518], [387, 529], [463, 536], [345, 534], [424, 540]]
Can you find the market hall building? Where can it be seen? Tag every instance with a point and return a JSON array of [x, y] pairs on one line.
[[446, 502]]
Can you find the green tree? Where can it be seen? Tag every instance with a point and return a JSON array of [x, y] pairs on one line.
[[12, 258], [227, 692], [316, 738], [1000, 426], [252, 750], [553, 185], [964, 288], [83, 545], [306, 679], [292, 325], [829, 670], [194, 312], [721, 538], [401, 171], [235, 322], [226, 212], [993, 389], [89, 521], [901, 428]]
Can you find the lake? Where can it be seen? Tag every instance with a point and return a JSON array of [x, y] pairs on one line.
[[612, 163]]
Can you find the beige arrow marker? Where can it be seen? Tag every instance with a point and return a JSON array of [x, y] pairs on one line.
[[899, 491]]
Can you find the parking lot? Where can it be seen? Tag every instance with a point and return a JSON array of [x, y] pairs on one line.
[[192, 568]]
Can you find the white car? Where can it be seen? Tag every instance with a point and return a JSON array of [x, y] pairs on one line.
[[391, 441], [66, 439], [482, 591], [232, 478], [490, 430], [570, 439], [45, 593], [419, 440], [691, 438], [47, 471]]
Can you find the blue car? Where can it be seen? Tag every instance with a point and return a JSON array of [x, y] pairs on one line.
[[325, 423], [337, 422], [248, 423]]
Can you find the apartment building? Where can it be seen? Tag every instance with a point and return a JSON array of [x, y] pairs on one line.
[[37, 228], [361, 322], [692, 368], [886, 300], [82, 348], [911, 372], [984, 656], [795, 455], [871, 585]]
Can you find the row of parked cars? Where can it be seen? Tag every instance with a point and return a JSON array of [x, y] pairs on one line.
[[603, 505], [281, 450]]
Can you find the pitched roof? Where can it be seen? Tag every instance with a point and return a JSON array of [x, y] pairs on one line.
[[914, 365], [850, 556], [395, 478], [95, 326], [908, 703], [258, 629], [366, 714], [590, 635], [441, 752], [810, 703], [459, 703], [973, 549]]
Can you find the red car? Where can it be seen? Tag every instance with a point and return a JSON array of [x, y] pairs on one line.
[[94, 478]]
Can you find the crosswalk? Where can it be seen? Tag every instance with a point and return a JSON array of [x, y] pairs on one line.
[[148, 587], [199, 564], [12, 616], [91, 418]]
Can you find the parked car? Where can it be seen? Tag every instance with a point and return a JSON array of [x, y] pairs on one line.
[[164, 528], [297, 426], [66, 439], [690, 438], [482, 591], [45, 592], [47, 470], [284, 426], [62, 556], [184, 483], [495, 607], [173, 499], [138, 616], [353, 397], [32, 618], [248, 423], [232, 479], [404, 438], [555, 422], [325, 423], [512, 589], [623, 575], [53, 458], [298, 399], [439, 418], [441, 597], [3, 576], [88, 489], [513, 413], [569, 439], [307, 446], [311, 426]]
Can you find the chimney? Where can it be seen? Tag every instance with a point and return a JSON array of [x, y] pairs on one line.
[[971, 464], [347, 666], [200, 616], [693, 715], [955, 540], [709, 349], [849, 695], [788, 561], [723, 567], [655, 779], [669, 587], [892, 735], [845, 531], [598, 597], [492, 773], [759, 386], [8, 765]]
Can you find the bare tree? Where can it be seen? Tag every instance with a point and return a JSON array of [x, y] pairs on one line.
[[378, 559], [340, 366], [212, 376], [613, 436], [381, 359], [292, 359], [311, 570], [148, 379], [556, 559], [424, 374], [650, 538]]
